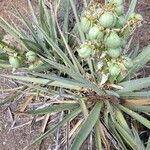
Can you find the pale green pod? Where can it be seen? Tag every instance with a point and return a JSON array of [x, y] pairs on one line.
[[14, 62], [113, 40], [31, 56], [95, 33], [85, 51], [114, 70], [128, 63], [131, 16], [100, 36], [119, 10], [85, 24], [120, 22], [114, 53], [107, 20], [117, 2], [32, 66], [139, 17]]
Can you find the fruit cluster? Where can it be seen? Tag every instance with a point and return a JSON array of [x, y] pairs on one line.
[[107, 30], [31, 60]]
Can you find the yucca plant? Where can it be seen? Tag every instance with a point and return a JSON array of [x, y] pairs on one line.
[[91, 67]]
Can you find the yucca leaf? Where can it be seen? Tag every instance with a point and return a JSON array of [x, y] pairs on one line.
[[83, 107], [57, 49], [121, 120], [138, 140], [139, 108], [127, 137], [136, 116], [98, 136], [87, 126], [10, 29], [32, 45], [61, 79], [134, 85], [62, 83], [41, 68], [67, 118], [134, 52], [3, 57], [145, 94], [4, 65], [77, 20], [139, 62], [75, 75], [117, 136], [54, 108], [43, 90], [36, 34], [66, 19], [71, 54], [148, 144], [32, 12], [131, 8], [51, 18]]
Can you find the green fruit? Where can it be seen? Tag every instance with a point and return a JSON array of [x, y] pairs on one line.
[[120, 22], [131, 16], [113, 41], [85, 24], [31, 56], [114, 53], [128, 62], [139, 17], [117, 2], [86, 51], [14, 62], [32, 66], [107, 20], [119, 10], [95, 33], [114, 70]]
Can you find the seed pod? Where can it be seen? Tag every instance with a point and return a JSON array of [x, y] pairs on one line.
[[85, 24], [113, 41], [117, 2], [139, 17], [31, 56], [86, 51], [114, 70], [107, 20], [119, 10], [32, 66], [131, 16], [120, 22], [114, 53], [95, 33], [14, 62], [128, 63]]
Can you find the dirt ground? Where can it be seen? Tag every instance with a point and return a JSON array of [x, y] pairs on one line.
[[19, 136]]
